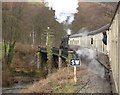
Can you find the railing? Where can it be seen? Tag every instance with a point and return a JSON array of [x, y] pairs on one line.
[[55, 51]]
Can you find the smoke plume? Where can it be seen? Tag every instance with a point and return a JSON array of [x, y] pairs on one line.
[[88, 57], [83, 31], [64, 11]]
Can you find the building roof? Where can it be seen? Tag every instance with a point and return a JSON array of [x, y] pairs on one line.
[[106, 27]]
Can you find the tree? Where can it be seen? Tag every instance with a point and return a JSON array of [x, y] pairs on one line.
[[11, 30], [49, 52]]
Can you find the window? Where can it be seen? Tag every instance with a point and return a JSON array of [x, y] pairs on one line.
[[91, 41]]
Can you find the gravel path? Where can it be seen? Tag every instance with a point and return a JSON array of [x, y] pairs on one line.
[[89, 82]]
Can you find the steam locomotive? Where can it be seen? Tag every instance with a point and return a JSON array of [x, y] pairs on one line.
[[64, 43]]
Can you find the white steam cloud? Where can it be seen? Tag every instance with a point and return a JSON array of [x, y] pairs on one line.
[[68, 31], [64, 10], [88, 57], [83, 31]]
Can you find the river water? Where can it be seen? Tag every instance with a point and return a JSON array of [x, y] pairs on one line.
[[16, 88]]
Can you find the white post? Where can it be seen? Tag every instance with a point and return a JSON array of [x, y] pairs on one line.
[[47, 36], [47, 39], [60, 63], [33, 38], [75, 75]]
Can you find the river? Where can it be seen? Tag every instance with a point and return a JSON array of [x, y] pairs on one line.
[[16, 88]]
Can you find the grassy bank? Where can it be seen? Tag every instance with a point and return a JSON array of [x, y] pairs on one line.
[[59, 82]]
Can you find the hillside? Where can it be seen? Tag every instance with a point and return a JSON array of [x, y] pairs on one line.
[[93, 15], [36, 17]]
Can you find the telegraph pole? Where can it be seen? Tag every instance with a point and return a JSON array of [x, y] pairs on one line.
[[48, 33], [49, 43]]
